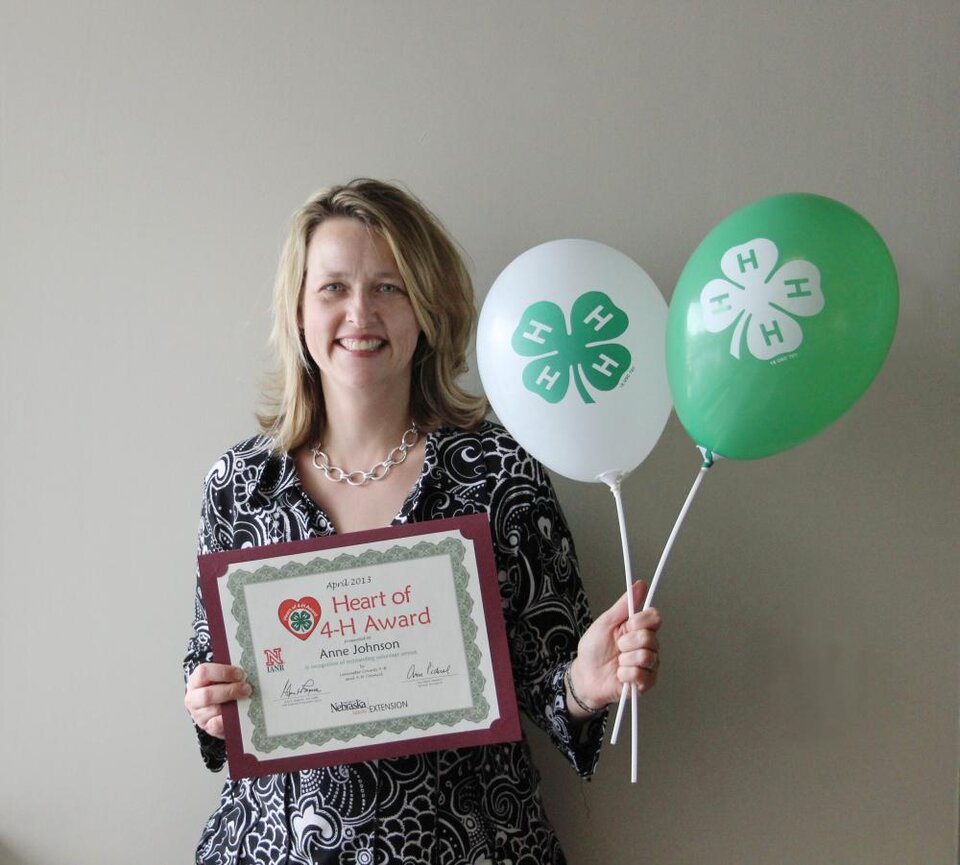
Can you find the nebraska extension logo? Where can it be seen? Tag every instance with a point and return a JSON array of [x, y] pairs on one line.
[[273, 658]]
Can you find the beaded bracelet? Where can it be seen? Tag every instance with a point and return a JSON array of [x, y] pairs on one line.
[[568, 680]]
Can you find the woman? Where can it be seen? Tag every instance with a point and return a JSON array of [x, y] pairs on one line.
[[373, 310]]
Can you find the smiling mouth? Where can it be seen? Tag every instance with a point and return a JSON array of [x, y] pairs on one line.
[[361, 344]]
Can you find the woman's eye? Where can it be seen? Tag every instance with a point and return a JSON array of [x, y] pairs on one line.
[[331, 287], [390, 288]]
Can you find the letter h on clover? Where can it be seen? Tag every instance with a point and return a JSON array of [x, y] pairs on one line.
[[761, 299], [583, 352]]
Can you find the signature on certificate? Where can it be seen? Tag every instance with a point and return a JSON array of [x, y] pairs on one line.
[[307, 687], [429, 672]]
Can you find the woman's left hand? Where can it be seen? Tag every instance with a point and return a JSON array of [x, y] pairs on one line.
[[616, 650]]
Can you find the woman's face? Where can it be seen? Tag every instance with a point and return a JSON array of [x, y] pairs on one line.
[[356, 317]]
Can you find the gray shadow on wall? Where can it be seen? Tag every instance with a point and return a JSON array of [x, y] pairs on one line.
[[7, 856]]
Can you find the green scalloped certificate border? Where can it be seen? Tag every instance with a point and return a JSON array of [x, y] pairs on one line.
[[475, 713]]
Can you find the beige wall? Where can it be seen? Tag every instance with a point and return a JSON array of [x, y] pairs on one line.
[[150, 154]]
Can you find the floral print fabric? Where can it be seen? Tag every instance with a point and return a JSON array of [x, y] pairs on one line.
[[471, 805]]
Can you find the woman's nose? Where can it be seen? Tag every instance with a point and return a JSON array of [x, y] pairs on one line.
[[360, 309]]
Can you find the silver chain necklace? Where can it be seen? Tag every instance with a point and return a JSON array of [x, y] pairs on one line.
[[377, 473]]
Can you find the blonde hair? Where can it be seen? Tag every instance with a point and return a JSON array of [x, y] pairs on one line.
[[440, 292]]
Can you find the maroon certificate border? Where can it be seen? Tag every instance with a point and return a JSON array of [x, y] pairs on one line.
[[506, 728]]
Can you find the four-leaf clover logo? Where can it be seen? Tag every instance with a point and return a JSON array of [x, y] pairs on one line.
[[585, 351], [301, 620], [761, 299], [300, 617]]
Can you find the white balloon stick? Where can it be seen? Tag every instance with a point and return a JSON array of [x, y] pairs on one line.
[[628, 574], [673, 535], [616, 724], [707, 462], [620, 707]]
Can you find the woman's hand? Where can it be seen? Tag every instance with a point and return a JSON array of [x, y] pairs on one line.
[[614, 651], [208, 688]]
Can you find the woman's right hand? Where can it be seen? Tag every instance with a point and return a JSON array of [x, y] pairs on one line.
[[208, 688]]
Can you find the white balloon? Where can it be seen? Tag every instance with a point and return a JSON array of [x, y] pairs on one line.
[[571, 352]]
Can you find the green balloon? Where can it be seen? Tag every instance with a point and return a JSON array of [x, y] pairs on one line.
[[780, 321]]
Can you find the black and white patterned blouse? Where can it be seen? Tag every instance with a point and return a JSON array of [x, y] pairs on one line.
[[469, 806]]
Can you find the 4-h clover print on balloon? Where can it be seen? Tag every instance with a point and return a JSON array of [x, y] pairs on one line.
[[570, 347], [585, 351], [760, 301]]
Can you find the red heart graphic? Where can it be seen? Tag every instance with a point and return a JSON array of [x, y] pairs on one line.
[[301, 617]]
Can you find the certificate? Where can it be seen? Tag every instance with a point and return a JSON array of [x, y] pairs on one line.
[[373, 644]]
